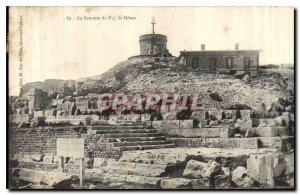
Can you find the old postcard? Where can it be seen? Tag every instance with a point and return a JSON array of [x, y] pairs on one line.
[[151, 98]]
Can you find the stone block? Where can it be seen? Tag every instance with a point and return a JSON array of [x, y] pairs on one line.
[[260, 168], [199, 115], [51, 112], [165, 126], [243, 124], [265, 167], [94, 175], [142, 180], [222, 181], [245, 114], [83, 105], [266, 122], [231, 143], [39, 121], [215, 115], [203, 183], [226, 132], [185, 124], [145, 117], [170, 115], [133, 117], [249, 143], [241, 177], [196, 169], [176, 183], [280, 143], [48, 159], [30, 175], [99, 162], [17, 119], [38, 113], [229, 114], [283, 120], [99, 122], [279, 165], [270, 131]]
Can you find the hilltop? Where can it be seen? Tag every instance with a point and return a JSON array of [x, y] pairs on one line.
[[154, 75]]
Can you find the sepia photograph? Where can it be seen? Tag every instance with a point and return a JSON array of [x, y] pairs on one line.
[[155, 98]]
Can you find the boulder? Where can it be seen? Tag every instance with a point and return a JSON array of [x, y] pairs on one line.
[[54, 177], [33, 176], [282, 120], [241, 178], [176, 183], [243, 124], [67, 183], [196, 169], [246, 79], [266, 123], [279, 165], [222, 181], [203, 183], [290, 164]]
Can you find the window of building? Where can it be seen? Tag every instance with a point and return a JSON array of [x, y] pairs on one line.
[[229, 63], [212, 63]]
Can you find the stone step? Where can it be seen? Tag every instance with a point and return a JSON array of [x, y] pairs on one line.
[[122, 135], [146, 147], [145, 182], [280, 143], [96, 175], [105, 127], [134, 139], [271, 131], [204, 132], [121, 144], [129, 168], [111, 131]]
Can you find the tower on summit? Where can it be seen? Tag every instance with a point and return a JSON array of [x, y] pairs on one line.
[[153, 44]]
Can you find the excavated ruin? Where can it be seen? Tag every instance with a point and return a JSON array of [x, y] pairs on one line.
[[242, 138]]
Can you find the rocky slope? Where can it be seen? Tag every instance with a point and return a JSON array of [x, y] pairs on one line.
[[153, 75]]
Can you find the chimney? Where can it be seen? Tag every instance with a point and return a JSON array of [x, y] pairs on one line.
[[202, 47], [237, 46]]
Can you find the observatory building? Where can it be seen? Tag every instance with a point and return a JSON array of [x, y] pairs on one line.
[[153, 44]]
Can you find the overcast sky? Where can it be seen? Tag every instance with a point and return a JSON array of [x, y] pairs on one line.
[[57, 48]]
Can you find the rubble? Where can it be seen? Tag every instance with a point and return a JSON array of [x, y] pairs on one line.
[[241, 178], [242, 123]]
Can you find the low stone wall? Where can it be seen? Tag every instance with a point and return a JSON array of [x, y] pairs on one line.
[[42, 140], [279, 143]]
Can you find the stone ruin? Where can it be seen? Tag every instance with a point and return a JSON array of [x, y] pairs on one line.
[[209, 149]]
